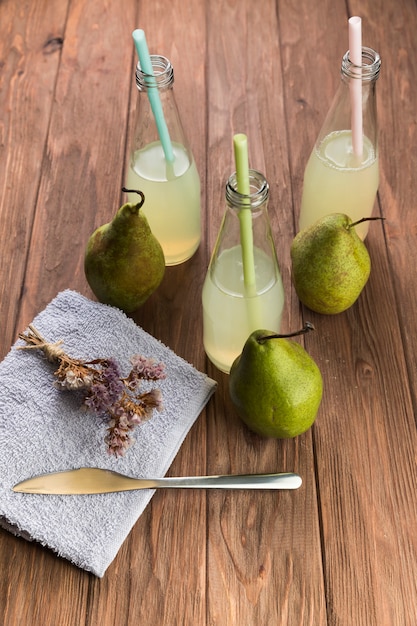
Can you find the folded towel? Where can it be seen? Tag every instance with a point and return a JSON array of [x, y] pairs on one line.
[[43, 429]]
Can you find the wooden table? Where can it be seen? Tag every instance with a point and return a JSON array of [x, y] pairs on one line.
[[342, 550]]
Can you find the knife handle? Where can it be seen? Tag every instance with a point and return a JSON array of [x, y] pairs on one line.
[[243, 481]]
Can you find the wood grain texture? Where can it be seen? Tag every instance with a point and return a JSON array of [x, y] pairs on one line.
[[82, 165], [170, 537], [354, 438], [342, 549], [253, 555], [30, 50]]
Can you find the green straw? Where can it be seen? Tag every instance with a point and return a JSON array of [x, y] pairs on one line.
[[240, 145], [153, 93]]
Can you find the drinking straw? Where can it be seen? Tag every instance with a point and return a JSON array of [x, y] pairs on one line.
[[355, 55], [240, 145], [153, 93]]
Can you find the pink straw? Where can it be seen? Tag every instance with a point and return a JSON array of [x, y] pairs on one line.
[[355, 55]]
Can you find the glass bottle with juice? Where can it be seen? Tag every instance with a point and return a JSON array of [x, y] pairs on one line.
[[171, 186], [231, 311], [336, 178]]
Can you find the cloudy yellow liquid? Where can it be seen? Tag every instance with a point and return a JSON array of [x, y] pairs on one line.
[[228, 316], [172, 199], [335, 182]]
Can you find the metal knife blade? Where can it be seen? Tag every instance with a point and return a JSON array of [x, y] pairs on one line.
[[89, 480]]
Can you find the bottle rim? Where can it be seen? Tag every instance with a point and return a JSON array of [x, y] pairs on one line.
[[368, 71], [163, 74], [259, 191]]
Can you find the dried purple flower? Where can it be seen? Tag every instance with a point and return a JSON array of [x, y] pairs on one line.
[[143, 369], [147, 368], [106, 392], [106, 388]]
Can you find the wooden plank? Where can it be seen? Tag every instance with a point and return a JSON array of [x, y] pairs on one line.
[[31, 36], [257, 566], [163, 562], [79, 184], [398, 158], [397, 193], [29, 597], [365, 413], [81, 181], [30, 45]]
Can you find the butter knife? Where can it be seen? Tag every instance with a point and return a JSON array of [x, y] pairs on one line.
[[86, 480]]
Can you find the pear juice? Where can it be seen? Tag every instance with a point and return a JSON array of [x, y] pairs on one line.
[[172, 199], [334, 182], [229, 316]]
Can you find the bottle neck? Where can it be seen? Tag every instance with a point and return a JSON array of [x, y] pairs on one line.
[[258, 196], [163, 77], [368, 72]]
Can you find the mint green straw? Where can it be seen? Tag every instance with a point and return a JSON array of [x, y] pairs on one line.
[[240, 144], [153, 93]]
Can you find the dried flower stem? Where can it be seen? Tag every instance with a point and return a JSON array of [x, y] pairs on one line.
[[106, 392], [34, 340]]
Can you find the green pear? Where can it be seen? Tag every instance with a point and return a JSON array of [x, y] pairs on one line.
[[124, 262], [330, 264], [275, 385]]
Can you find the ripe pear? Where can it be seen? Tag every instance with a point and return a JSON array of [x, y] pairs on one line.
[[330, 264], [275, 385], [124, 262]]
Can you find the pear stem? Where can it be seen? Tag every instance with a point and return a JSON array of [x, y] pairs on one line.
[[142, 195], [306, 328], [365, 219]]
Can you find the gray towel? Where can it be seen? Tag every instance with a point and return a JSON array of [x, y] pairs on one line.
[[43, 429]]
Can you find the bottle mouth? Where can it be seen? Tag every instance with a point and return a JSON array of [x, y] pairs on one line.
[[259, 191], [368, 71], [163, 74]]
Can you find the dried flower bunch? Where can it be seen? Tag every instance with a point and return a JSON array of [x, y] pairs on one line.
[[106, 393]]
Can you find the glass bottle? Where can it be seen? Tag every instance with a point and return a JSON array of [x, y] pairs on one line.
[[170, 182], [232, 309], [341, 177]]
